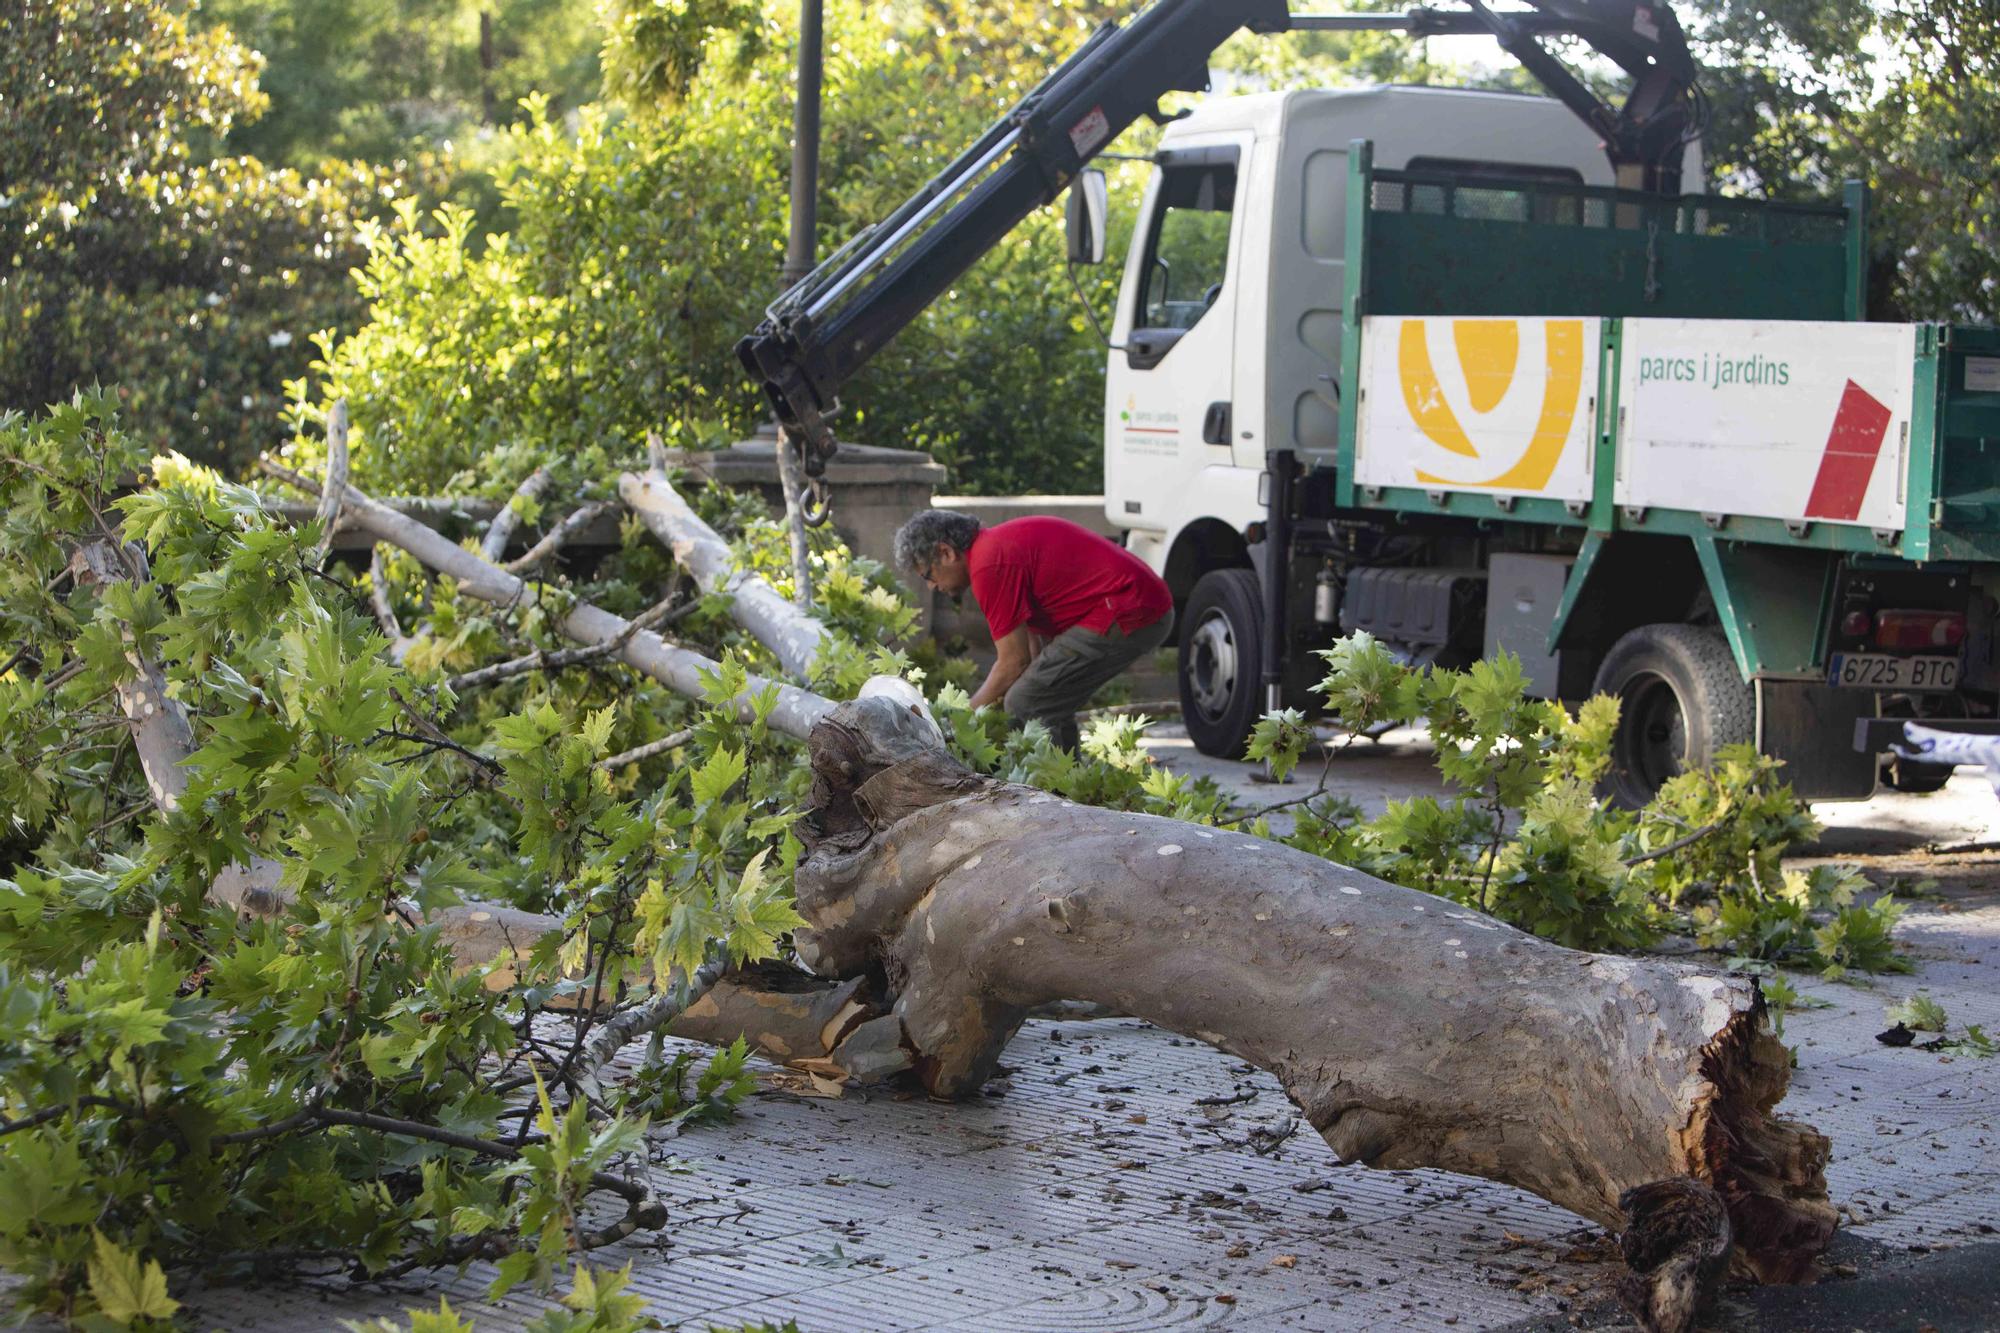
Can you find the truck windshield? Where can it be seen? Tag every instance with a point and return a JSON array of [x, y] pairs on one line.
[[1187, 254]]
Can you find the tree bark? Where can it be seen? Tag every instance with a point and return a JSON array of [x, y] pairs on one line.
[[493, 546], [679, 669], [1410, 1031], [786, 630]]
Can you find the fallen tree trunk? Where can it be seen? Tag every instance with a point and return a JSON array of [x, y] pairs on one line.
[[1411, 1032], [786, 630]]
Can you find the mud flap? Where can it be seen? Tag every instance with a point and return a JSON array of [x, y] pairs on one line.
[[1811, 727]]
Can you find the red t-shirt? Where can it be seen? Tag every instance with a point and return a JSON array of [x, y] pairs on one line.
[[1051, 575]]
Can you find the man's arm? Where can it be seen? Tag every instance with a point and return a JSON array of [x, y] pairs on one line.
[[1008, 667]]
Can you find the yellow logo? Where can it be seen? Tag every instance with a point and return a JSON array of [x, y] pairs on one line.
[[1489, 351]]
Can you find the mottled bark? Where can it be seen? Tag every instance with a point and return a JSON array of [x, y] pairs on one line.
[[794, 636], [493, 546], [679, 669], [1410, 1031]]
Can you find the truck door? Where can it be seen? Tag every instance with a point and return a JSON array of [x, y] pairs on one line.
[[1167, 393]]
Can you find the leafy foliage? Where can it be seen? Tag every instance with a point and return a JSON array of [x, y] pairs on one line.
[[1899, 93], [393, 80], [1526, 839], [178, 1085]]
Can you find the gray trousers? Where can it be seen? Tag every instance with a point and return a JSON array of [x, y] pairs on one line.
[[1072, 667]]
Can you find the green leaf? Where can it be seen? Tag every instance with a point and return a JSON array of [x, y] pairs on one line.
[[717, 776], [125, 1286]]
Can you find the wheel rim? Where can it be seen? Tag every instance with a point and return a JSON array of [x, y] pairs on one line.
[[1654, 737], [1212, 664]]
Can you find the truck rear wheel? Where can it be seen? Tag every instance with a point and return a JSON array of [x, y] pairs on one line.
[[1681, 700], [1222, 661]]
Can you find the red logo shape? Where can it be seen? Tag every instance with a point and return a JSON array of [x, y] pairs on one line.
[[1849, 461]]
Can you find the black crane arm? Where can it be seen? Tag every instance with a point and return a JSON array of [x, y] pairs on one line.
[[819, 333]]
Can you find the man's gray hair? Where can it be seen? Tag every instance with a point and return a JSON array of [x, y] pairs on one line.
[[917, 540]]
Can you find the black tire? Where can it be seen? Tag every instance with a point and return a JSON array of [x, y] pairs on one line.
[[1222, 661], [1681, 700]]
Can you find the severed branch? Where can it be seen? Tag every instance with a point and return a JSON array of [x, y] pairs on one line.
[[642, 1207], [385, 614], [559, 536], [791, 483], [679, 669], [501, 530], [787, 631], [665, 612], [646, 751], [328, 516]]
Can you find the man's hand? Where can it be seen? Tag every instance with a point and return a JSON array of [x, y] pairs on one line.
[[1014, 652]]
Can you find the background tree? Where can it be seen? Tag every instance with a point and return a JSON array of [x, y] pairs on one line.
[[131, 254], [1904, 94], [379, 81]]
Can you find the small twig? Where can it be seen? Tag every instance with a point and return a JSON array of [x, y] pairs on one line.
[[1493, 848], [648, 1016], [334, 493], [642, 752], [136, 808], [20, 655], [494, 544], [630, 1191], [1227, 1101], [1319, 788], [430, 733], [48, 1113], [559, 536], [1264, 1142], [63, 674], [1675, 845], [659, 615]]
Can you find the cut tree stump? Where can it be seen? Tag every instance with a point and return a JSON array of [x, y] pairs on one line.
[[1411, 1032]]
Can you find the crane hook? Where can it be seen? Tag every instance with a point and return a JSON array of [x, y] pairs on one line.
[[815, 503]]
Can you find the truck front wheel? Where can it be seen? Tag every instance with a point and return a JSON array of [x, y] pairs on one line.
[[1680, 701], [1222, 661]]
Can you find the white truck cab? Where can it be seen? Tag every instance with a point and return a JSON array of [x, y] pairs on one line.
[[1226, 340]]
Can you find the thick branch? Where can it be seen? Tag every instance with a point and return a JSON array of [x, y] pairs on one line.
[[336, 478], [791, 483], [385, 614], [793, 635], [559, 536], [501, 530], [679, 669]]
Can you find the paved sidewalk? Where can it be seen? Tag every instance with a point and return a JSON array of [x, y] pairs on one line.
[[1115, 1181]]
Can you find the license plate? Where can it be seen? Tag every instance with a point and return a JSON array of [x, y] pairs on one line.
[[1880, 671]]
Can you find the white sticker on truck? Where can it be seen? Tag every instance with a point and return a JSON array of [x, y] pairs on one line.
[[1786, 419], [1494, 406]]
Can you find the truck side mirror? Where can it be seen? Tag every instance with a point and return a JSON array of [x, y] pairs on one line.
[[1084, 217]]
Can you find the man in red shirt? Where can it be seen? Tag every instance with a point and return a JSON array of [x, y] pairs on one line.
[[1069, 610]]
